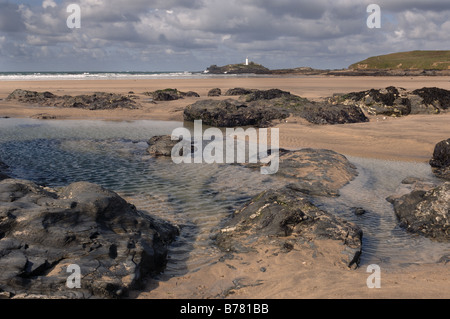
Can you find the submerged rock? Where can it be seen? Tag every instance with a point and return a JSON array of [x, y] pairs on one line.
[[3, 167], [44, 231], [440, 162], [425, 210], [96, 101], [275, 216], [315, 172]]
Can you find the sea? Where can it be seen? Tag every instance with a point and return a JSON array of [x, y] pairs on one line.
[[123, 75]]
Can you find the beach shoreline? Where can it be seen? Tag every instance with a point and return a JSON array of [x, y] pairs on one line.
[[297, 274]]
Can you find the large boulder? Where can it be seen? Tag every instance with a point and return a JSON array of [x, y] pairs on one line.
[[424, 210], [262, 108], [43, 231], [231, 113], [285, 218], [440, 162]]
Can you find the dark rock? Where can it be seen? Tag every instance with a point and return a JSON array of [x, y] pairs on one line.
[[25, 96], [238, 92], [230, 113], [265, 95], [440, 162], [275, 215], [215, 92], [3, 168], [96, 101], [398, 102], [359, 211], [170, 95], [438, 98], [425, 210], [322, 113], [191, 94], [43, 231], [44, 116]]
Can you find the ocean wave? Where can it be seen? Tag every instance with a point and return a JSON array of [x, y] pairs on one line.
[[28, 76]]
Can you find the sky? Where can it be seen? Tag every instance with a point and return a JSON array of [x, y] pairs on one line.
[[190, 35]]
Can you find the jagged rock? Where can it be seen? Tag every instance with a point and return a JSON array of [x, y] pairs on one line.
[[440, 162], [322, 113], [96, 101], [170, 95], [261, 108], [230, 113], [215, 92], [265, 95], [397, 102], [43, 231], [275, 216], [238, 92], [425, 210]]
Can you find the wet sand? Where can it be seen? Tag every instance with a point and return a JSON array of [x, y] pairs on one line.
[[296, 274]]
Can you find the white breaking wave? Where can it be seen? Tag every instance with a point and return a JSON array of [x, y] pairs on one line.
[[10, 76]]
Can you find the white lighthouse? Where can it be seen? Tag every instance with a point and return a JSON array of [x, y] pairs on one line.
[[246, 61]]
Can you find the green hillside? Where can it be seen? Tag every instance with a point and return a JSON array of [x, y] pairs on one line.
[[424, 60]]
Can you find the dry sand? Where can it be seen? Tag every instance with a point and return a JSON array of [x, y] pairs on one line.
[[296, 274]]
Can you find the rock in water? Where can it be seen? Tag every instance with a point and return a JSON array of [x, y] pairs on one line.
[[314, 172], [43, 231], [441, 160], [425, 211], [275, 215], [161, 145], [3, 167]]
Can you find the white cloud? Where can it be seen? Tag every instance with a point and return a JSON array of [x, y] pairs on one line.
[[48, 4], [281, 33]]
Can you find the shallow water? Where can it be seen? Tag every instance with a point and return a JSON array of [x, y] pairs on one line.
[[198, 197]]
